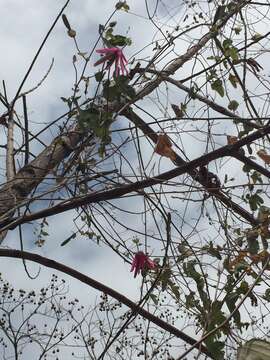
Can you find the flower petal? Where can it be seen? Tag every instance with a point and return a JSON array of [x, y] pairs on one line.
[[113, 50], [134, 264], [151, 264], [103, 59], [114, 55]]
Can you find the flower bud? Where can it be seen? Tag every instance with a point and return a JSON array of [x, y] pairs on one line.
[[71, 33]]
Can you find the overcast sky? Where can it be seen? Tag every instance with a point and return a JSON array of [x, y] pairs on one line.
[[23, 26], [19, 43]]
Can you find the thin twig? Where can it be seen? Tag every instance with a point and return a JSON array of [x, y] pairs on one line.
[[100, 287]]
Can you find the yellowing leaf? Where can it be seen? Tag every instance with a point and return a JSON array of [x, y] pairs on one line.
[[164, 147], [264, 156]]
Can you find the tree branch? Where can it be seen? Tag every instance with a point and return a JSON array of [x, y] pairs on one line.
[[118, 192], [177, 63], [148, 131], [103, 288]]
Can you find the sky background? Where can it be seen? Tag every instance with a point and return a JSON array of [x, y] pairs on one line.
[[19, 43], [23, 26]]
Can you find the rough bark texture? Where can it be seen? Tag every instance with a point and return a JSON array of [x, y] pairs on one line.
[[31, 175], [115, 193]]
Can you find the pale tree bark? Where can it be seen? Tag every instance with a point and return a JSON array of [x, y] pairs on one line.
[[10, 171], [15, 191]]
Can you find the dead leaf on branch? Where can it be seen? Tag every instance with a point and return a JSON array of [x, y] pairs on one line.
[[177, 111], [264, 156], [254, 64], [164, 147], [231, 140], [262, 256]]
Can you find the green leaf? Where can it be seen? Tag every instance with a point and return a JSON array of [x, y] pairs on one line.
[[233, 105], [241, 266], [216, 317], [227, 43], [154, 298], [237, 30], [254, 201], [89, 118], [244, 287], [190, 271], [263, 214], [246, 168], [216, 58], [99, 76], [175, 291], [218, 87], [231, 300], [191, 302], [124, 87], [215, 347], [213, 251], [122, 5], [65, 242], [136, 241], [120, 87], [230, 50], [119, 40], [193, 91], [256, 177], [252, 240], [233, 80], [267, 295], [111, 93], [165, 277], [66, 22], [254, 301], [113, 23], [97, 121], [233, 53], [256, 36]]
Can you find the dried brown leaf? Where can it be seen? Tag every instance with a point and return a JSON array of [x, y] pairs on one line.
[[164, 147], [264, 156], [231, 140]]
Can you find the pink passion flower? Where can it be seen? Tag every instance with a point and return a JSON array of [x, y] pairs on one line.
[[141, 262], [116, 56]]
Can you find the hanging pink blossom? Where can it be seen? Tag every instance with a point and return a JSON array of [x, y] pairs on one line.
[[113, 55], [141, 262]]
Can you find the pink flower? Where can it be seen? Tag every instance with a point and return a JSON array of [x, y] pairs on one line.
[[113, 55], [140, 262]]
